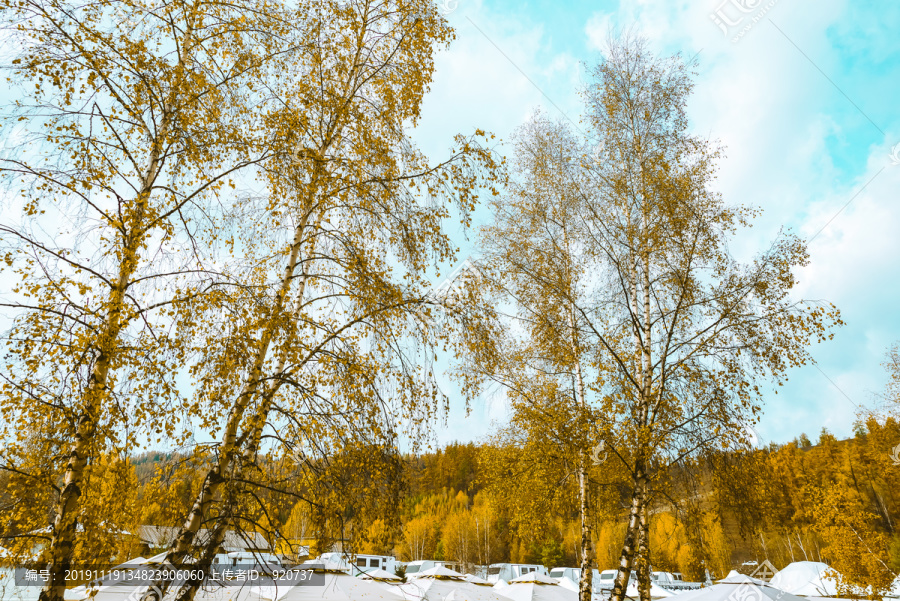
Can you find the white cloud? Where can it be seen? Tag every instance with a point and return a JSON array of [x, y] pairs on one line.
[[796, 146]]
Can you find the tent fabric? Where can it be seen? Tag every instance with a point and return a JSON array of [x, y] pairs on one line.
[[327, 566], [735, 577], [806, 578], [535, 577], [537, 591], [112, 588], [568, 584], [471, 579], [656, 592], [438, 572], [436, 589], [336, 587], [738, 592], [379, 574]]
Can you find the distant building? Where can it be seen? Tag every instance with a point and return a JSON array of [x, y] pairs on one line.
[[159, 538]]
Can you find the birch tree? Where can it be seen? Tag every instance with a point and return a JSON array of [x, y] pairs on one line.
[[321, 358], [117, 148], [613, 258], [534, 264], [689, 338]]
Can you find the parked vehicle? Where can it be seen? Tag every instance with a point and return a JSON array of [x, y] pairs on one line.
[[414, 567], [672, 581], [508, 571], [359, 563], [607, 580], [574, 576], [246, 559], [367, 563]]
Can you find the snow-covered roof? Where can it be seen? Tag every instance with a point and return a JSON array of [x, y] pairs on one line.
[[436, 589], [731, 591], [379, 574], [806, 578], [537, 587], [735, 577], [471, 578], [162, 536]]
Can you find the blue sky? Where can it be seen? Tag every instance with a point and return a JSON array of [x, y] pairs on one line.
[[804, 94]]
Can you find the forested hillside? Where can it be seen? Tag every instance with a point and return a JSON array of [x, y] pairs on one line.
[[836, 501]]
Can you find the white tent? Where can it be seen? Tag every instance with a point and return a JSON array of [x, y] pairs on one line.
[[442, 584], [735, 577], [568, 584], [116, 586], [738, 590], [471, 579], [336, 586], [379, 574], [535, 586], [656, 592], [327, 564], [439, 572], [806, 578]]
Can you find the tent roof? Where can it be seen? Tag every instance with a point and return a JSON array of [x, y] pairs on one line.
[[438, 572], [730, 591], [655, 591], [336, 587], [538, 591], [535, 577], [379, 574], [735, 577], [162, 536], [806, 578], [319, 565], [433, 589]]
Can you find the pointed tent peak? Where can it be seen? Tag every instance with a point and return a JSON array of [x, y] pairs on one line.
[[735, 577], [439, 572], [476, 580], [535, 577], [378, 574], [655, 591], [807, 578], [159, 558]]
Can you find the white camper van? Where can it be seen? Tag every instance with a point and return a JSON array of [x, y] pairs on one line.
[[367, 563], [414, 567], [508, 571], [574, 575], [356, 564]]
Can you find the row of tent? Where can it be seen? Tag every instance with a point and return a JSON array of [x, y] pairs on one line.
[[794, 583]]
